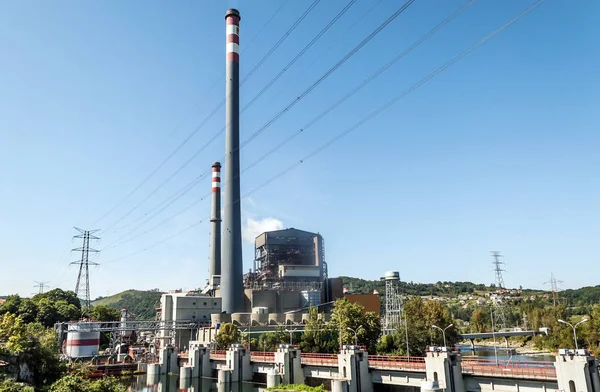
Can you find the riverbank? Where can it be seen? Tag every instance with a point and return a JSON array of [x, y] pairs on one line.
[[518, 347]]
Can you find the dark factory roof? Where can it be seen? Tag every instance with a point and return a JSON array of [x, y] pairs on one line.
[[288, 233]]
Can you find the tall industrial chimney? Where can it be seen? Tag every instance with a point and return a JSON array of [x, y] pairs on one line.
[[215, 223], [231, 267]]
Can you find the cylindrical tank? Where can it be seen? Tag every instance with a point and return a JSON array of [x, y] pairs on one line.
[[324, 316], [392, 275], [82, 343], [240, 318], [260, 310], [219, 318], [293, 318], [276, 318], [259, 318], [305, 318], [311, 298]]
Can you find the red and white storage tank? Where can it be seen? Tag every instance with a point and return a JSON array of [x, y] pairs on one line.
[[82, 342]]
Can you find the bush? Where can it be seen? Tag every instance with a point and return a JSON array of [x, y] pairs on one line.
[[295, 387], [12, 386], [72, 383]]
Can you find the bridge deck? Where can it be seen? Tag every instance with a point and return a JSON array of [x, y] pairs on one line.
[[537, 370]]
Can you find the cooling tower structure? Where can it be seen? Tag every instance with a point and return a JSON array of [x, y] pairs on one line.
[[232, 292]]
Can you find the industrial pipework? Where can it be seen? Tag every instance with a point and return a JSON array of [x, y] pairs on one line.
[[231, 265], [215, 222]]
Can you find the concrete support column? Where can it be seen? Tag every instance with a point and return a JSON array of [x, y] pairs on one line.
[[430, 386], [444, 367], [288, 365], [339, 386], [273, 379], [237, 360], [204, 367], [577, 370], [353, 367]]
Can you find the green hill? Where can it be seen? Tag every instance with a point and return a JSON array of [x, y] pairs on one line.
[[140, 303]]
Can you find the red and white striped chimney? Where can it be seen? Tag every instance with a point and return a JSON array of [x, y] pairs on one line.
[[215, 223]]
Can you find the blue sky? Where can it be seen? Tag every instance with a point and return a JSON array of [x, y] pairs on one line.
[[498, 152]]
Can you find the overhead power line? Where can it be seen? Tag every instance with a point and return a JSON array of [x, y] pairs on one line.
[[362, 84], [256, 97], [369, 117], [329, 72], [193, 133]]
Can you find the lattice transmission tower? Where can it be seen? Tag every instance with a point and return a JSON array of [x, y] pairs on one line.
[[41, 286], [84, 263], [499, 317], [554, 285], [393, 301]]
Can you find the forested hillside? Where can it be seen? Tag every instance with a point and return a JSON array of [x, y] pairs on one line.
[[139, 303]]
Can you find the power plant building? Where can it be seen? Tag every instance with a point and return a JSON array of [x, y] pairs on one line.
[[289, 273], [189, 306]]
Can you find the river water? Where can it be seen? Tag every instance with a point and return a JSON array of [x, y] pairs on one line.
[[171, 384], [502, 352]]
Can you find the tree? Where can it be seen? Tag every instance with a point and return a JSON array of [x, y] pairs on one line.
[[228, 334], [104, 313], [317, 337], [35, 348], [420, 316], [11, 305], [480, 320], [271, 340], [351, 315]]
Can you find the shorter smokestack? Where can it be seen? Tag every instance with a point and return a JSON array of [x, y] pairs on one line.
[[215, 222]]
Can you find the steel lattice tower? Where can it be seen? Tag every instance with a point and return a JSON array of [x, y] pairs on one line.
[[393, 301], [84, 264], [499, 318], [554, 284]]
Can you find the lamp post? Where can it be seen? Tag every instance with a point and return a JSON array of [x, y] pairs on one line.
[[494, 334], [291, 331], [574, 329], [355, 331], [443, 331]]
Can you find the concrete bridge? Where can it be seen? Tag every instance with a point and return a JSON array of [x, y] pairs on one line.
[[353, 370]]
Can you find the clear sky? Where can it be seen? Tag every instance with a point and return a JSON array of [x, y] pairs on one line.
[[499, 152]]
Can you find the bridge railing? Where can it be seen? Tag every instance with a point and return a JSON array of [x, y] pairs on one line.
[[396, 362], [319, 359], [522, 370], [218, 354], [507, 362], [262, 356]]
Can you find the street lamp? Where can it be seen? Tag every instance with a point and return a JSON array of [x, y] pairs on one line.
[[443, 331], [574, 329], [291, 331], [355, 331]]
